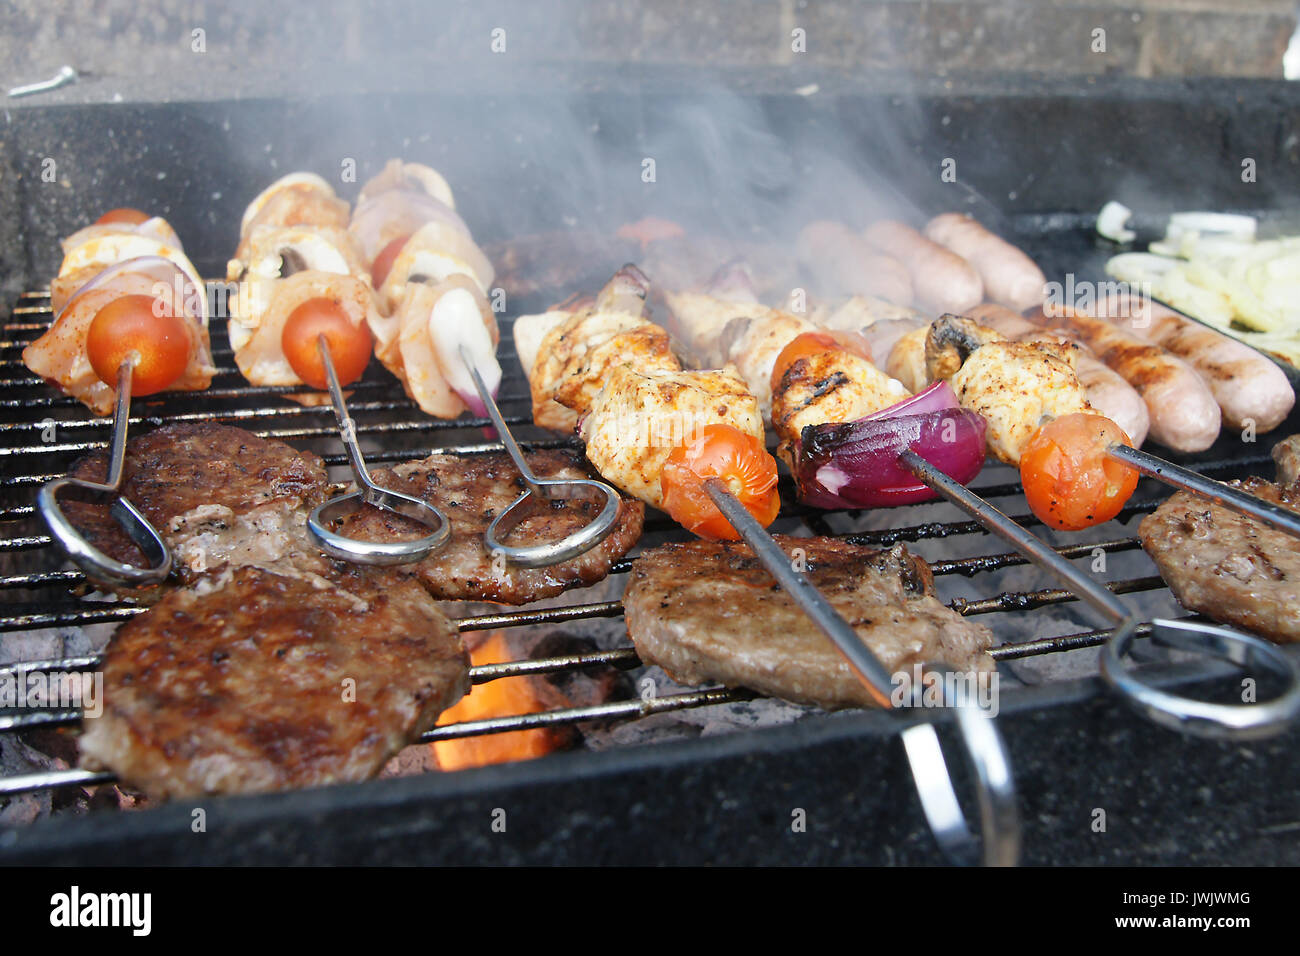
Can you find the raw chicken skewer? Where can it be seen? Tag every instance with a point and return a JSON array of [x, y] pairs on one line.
[[137, 343]]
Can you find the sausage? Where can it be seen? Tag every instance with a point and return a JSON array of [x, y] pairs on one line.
[[1010, 277], [942, 281], [1184, 415], [1106, 389], [843, 263], [1248, 386]]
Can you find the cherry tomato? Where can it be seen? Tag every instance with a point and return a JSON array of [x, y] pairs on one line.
[[1070, 482], [743, 464], [143, 327], [814, 343], [383, 263], [349, 344], [125, 214]]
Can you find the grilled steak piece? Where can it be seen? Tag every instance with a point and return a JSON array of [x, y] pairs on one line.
[[474, 489], [708, 611], [1229, 567], [1287, 455], [218, 495], [241, 684]]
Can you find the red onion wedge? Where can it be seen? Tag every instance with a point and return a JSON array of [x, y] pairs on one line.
[[932, 398], [855, 464]]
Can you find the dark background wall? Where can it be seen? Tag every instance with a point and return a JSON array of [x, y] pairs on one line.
[[264, 46]]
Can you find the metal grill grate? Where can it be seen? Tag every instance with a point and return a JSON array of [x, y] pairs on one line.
[[39, 591]]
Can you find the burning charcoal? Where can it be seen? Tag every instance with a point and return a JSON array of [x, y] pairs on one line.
[[17, 758], [583, 688]]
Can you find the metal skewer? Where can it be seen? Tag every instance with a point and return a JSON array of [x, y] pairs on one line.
[[97, 565], [369, 493], [1222, 721], [1218, 492], [543, 489], [987, 753]]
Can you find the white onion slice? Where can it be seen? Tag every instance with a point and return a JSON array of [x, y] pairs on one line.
[[1139, 266], [1111, 222], [1212, 223], [457, 320], [155, 228]]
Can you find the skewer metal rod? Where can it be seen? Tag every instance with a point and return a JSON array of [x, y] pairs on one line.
[[499, 423], [121, 419], [542, 489], [984, 747], [1216, 491], [1030, 545], [323, 516], [97, 565], [1221, 721], [864, 664]]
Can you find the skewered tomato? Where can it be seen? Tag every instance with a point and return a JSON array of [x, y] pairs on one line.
[[143, 328], [814, 343], [123, 214], [349, 344], [1070, 482], [725, 452], [383, 263]]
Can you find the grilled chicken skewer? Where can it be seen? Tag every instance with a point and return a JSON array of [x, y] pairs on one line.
[[1106, 390], [642, 415], [714, 477], [950, 343]]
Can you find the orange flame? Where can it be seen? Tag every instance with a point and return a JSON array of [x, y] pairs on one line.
[[504, 697]]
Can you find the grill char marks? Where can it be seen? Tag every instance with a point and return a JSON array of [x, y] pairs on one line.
[[709, 611], [242, 688], [474, 489], [1229, 567]]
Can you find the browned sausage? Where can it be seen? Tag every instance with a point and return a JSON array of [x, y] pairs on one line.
[[1010, 277], [1248, 386], [1184, 414], [942, 281], [843, 263]]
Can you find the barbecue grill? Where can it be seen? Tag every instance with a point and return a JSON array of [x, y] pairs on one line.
[[726, 798]]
